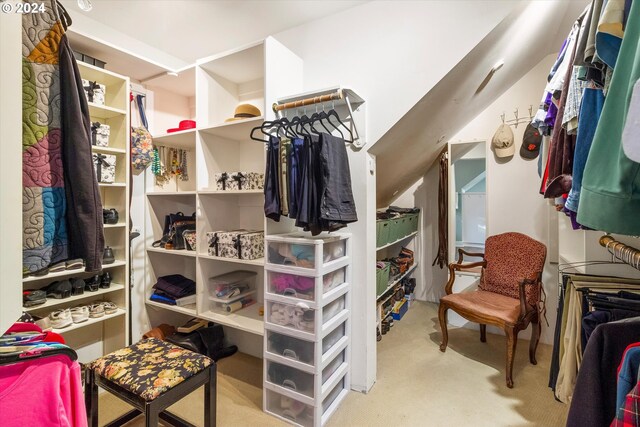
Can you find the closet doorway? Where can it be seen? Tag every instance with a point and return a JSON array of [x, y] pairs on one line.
[[467, 197]]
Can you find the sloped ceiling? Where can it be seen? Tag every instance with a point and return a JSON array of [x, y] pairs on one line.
[[531, 32], [193, 29]]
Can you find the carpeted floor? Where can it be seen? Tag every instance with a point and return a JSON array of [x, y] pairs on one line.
[[417, 385]]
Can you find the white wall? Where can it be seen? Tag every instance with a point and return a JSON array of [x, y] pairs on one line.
[[513, 202], [391, 52]]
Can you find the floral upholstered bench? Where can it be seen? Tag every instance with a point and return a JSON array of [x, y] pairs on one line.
[[151, 375]]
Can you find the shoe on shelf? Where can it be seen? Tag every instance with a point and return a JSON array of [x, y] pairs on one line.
[[77, 286], [96, 310], [44, 323], [74, 264], [105, 280], [109, 307], [92, 283], [58, 267], [61, 318], [59, 290], [80, 314], [33, 298], [108, 257]]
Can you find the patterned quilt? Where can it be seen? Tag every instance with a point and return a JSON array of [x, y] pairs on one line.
[[45, 238]]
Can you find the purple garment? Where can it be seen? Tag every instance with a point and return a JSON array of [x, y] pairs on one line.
[[283, 282], [552, 111]]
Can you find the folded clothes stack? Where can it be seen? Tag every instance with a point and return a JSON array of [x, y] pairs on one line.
[[174, 289]]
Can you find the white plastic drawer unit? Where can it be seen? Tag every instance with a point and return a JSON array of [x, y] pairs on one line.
[[312, 290], [308, 254], [302, 318], [303, 354]]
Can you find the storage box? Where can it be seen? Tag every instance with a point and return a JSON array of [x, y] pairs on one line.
[[231, 292], [382, 232], [105, 167], [94, 91], [400, 309], [382, 278], [240, 244], [100, 134], [239, 181], [303, 287]]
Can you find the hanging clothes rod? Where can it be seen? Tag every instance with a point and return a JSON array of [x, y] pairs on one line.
[[621, 251], [337, 95]]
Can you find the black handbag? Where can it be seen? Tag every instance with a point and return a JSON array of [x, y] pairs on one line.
[[174, 225], [208, 341]]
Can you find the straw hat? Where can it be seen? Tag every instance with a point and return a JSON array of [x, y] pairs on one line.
[[244, 111]]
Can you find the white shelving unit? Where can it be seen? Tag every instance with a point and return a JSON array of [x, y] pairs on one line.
[[96, 337], [391, 249], [307, 352], [252, 74]]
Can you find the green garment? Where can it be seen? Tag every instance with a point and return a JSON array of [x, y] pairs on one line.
[[610, 197]]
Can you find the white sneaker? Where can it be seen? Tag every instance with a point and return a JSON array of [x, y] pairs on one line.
[[109, 307], [80, 314], [96, 310], [61, 318]]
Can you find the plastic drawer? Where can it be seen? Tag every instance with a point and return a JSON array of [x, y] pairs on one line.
[[311, 255], [289, 409], [333, 366], [300, 317], [304, 288], [333, 395], [301, 350], [382, 232], [290, 378]]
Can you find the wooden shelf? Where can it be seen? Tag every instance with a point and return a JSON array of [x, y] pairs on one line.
[[114, 185], [70, 273], [118, 225], [229, 192], [171, 193], [181, 139], [181, 252], [259, 261], [247, 319], [106, 77], [104, 112], [51, 302], [189, 310], [237, 130], [108, 150], [397, 241], [89, 322], [396, 281]]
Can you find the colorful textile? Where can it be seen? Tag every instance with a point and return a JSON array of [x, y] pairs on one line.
[[150, 367], [43, 195], [630, 413]]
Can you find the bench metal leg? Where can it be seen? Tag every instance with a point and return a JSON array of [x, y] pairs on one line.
[[210, 395], [91, 398], [122, 420], [151, 415]]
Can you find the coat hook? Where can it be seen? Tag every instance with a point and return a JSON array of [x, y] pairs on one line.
[[502, 117], [531, 111], [515, 113]]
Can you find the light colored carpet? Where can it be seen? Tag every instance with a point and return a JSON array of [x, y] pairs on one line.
[[417, 385]]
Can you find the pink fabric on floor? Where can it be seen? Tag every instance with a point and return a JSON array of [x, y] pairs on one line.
[[42, 392]]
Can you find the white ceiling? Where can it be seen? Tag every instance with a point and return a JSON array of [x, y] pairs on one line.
[[193, 29]]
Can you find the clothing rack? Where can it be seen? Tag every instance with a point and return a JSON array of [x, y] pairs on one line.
[[625, 253], [343, 100]]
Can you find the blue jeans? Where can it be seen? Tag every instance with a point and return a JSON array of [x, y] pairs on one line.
[[590, 109]]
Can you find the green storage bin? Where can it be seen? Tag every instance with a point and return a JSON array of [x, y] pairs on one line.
[[398, 229], [382, 278], [414, 220], [383, 227]]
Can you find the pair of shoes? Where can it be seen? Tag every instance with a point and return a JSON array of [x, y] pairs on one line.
[[80, 314], [98, 281], [33, 298], [77, 286], [101, 308], [59, 290], [72, 264]]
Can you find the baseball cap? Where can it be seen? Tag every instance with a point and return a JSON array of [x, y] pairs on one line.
[[531, 141], [502, 141]]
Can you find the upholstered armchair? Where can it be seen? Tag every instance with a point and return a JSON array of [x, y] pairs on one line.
[[508, 294]]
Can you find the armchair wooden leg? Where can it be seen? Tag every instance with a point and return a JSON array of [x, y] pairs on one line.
[[535, 339], [512, 340], [442, 315], [483, 333]]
